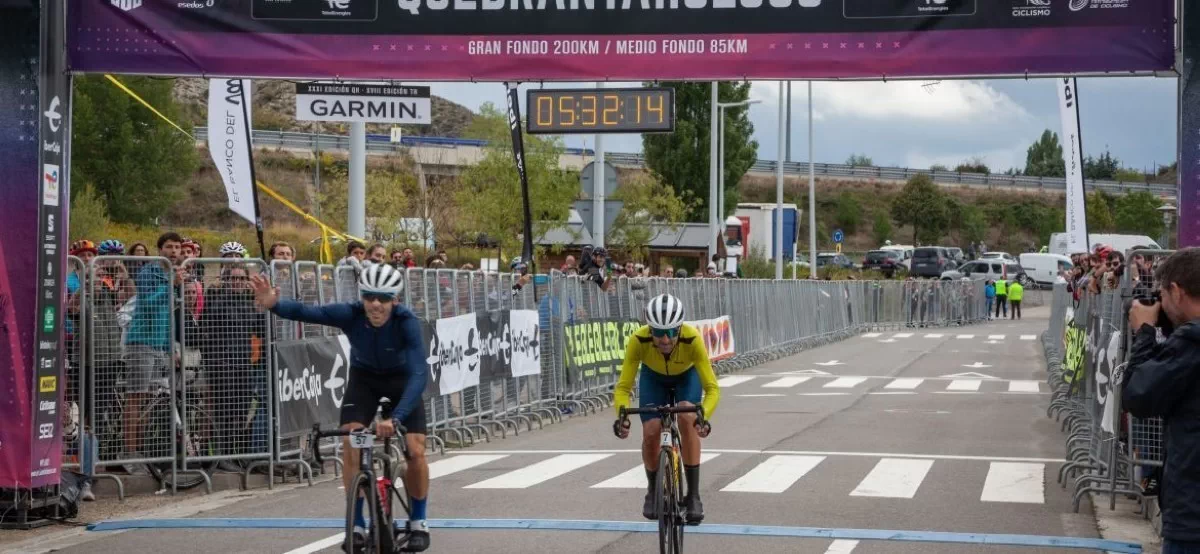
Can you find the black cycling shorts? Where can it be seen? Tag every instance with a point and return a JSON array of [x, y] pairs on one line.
[[362, 399]]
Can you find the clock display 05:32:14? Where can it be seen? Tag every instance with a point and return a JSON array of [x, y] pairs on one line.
[[601, 110]]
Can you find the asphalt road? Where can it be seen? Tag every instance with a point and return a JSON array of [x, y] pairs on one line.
[[921, 430]]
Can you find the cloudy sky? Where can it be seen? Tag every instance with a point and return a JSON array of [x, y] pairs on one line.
[[903, 123]]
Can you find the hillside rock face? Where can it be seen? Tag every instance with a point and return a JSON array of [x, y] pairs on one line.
[[275, 108]]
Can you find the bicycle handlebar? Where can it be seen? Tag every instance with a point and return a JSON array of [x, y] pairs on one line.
[[318, 434], [663, 410]]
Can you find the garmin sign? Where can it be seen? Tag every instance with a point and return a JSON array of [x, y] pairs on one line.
[[363, 103]]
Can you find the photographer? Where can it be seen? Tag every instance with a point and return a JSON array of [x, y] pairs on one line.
[[1161, 380]]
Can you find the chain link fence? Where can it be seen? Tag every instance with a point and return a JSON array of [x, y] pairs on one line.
[[175, 372]]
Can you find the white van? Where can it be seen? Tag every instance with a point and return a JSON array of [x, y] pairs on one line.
[[905, 250], [1044, 268], [1120, 243]]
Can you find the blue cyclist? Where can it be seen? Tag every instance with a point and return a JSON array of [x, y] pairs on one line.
[[387, 359]]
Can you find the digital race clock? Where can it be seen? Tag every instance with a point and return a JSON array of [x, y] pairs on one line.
[[608, 110]]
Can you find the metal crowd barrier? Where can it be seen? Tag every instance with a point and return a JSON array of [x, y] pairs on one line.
[[178, 371], [1087, 347]]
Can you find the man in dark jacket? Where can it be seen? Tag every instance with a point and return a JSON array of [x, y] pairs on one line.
[[1164, 380]]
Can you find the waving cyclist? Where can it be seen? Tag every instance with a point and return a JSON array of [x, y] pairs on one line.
[[672, 359], [387, 359]]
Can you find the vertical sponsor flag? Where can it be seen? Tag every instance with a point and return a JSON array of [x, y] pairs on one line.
[[1188, 230], [229, 128], [1072, 148], [518, 145]]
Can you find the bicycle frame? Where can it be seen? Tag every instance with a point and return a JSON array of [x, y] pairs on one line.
[[669, 488], [380, 492]]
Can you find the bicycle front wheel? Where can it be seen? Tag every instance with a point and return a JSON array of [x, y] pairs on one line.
[[363, 487], [666, 505]]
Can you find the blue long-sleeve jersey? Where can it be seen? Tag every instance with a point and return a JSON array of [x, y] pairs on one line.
[[396, 348]]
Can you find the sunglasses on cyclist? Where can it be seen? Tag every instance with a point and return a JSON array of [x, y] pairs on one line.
[[376, 297], [670, 333]]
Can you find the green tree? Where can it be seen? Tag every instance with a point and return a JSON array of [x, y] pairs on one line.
[[974, 224], [859, 160], [1099, 214], [89, 215], [1137, 213], [137, 162], [490, 195], [938, 167], [386, 202], [973, 165], [1129, 176], [1102, 168], [648, 201], [848, 213], [923, 206], [882, 228], [1045, 157], [681, 159]]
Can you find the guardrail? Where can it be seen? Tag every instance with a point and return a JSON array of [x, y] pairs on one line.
[[383, 143]]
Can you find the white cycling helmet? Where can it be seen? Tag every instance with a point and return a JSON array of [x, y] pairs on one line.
[[233, 248], [381, 279], [664, 312]]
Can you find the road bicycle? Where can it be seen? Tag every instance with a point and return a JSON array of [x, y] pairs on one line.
[[379, 492], [668, 491]]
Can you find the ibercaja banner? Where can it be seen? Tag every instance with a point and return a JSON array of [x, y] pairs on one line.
[[590, 40]]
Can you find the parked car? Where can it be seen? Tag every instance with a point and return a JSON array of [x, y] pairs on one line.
[[931, 262], [990, 269], [906, 253], [997, 255], [833, 259], [1044, 269], [957, 255], [886, 261]]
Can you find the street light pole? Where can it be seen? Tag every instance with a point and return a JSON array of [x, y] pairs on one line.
[[812, 193], [721, 155], [779, 189], [713, 228]]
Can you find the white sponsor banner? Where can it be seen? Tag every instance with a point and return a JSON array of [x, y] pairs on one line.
[[1076, 224], [526, 356], [363, 109], [228, 144], [718, 336], [458, 351]]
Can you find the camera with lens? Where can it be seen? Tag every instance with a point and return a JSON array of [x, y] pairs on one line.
[[1150, 298]]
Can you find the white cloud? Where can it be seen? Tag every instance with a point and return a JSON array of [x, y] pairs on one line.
[[956, 101]]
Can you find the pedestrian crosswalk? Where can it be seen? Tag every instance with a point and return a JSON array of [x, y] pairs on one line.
[[896, 476], [827, 384], [892, 337]]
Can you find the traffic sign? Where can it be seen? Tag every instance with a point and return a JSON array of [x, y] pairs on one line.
[[838, 236]]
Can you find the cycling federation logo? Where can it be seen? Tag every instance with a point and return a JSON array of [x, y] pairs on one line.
[[127, 5], [1079, 5], [1032, 8]]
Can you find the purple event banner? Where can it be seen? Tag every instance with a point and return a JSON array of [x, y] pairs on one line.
[[586, 40], [1189, 135]]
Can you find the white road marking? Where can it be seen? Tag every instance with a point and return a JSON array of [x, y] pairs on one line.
[[872, 335], [845, 382], [446, 466], [319, 545], [1028, 337], [995, 337], [733, 380], [771, 395], [855, 454], [540, 472], [902, 335], [1024, 386], [888, 340], [934, 336], [905, 383], [1012, 482], [775, 474], [964, 385], [841, 546], [824, 394], [894, 478], [965, 337], [636, 477], [955, 392], [786, 382]]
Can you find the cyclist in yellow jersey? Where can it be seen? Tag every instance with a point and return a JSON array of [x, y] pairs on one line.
[[671, 359]]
